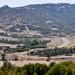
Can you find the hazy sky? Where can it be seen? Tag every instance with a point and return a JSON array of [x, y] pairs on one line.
[[18, 3]]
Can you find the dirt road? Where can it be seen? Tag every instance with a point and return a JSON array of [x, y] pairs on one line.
[[65, 42]]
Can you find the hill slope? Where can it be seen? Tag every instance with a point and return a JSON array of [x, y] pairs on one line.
[[46, 18]]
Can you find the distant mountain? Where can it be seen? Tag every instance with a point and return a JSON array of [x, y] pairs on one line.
[[46, 18]]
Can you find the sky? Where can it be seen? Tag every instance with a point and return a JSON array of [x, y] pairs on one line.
[[19, 3]]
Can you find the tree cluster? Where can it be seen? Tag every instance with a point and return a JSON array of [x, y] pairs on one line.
[[65, 68], [54, 52]]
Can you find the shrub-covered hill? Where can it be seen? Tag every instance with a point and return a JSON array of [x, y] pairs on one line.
[[46, 18]]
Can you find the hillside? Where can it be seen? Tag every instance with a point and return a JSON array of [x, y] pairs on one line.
[[48, 19]]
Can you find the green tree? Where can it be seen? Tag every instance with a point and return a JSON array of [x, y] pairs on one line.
[[1, 72], [69, 72], [3, 56], [58, 70], [34, 42]]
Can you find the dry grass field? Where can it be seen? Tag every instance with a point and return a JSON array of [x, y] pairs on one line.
[[68, 41]]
